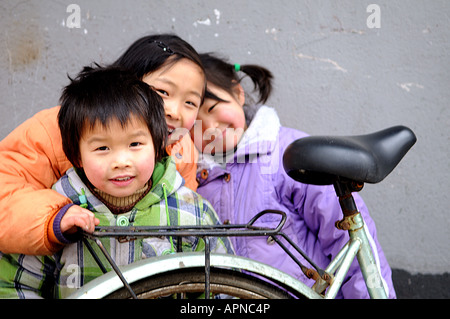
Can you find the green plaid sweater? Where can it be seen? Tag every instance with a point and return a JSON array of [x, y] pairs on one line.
[[59, 275]]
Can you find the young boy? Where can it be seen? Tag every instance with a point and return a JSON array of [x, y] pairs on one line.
[[33, 159], [114, 133]]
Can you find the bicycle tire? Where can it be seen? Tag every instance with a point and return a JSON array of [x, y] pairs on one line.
[[192, 281]]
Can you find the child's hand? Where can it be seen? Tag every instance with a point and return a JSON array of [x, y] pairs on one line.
[[78, 217]]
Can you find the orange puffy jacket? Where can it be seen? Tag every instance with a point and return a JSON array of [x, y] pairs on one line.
[[31, 161]]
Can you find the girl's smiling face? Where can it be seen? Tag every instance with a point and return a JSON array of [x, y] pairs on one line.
[[222, 122], [181, 84]]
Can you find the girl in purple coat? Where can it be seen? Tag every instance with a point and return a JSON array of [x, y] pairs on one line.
[[240, 172]]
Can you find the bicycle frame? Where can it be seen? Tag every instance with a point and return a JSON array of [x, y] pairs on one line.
[[358, 245]]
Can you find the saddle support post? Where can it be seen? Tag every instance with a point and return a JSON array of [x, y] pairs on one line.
[[354, 224]]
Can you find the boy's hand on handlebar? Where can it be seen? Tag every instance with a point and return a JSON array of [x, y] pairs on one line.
[[78, 217]]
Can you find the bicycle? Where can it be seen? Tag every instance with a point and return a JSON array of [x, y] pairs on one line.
[[356, 160]]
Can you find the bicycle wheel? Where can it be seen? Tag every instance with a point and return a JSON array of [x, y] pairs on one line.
[[191, 282]]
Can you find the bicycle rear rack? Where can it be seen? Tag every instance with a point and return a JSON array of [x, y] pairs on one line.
[[129, 233]]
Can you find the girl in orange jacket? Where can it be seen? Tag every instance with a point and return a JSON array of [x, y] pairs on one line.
[[32, 158]]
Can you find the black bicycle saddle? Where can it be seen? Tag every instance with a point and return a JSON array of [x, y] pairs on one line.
[[320, 160]]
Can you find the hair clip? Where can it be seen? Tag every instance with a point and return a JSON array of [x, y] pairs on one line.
[[237, 67], [163, 46]]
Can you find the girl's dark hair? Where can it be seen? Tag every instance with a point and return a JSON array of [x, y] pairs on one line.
[[98, 95], [149, 53], [224, 75]]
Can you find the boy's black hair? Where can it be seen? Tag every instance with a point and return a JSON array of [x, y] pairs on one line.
[[151, 52], [224, 75], [99, 94]]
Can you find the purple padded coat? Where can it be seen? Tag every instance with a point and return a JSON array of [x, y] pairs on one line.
[[252, 179]]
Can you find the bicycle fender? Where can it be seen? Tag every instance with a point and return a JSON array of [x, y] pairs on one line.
[[110, 282]]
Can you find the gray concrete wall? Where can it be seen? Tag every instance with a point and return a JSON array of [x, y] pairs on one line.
[[337, 71]]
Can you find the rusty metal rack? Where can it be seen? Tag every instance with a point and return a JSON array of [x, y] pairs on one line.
[[128, 233]]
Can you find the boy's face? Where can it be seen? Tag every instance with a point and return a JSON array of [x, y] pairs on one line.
[[181, 85], [118, 160], [220, 125]]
